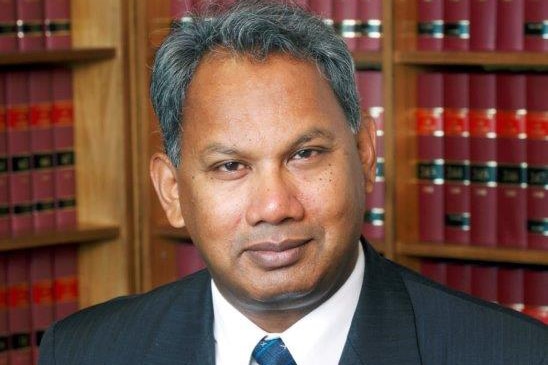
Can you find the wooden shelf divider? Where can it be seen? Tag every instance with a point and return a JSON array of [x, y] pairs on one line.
[[83, 233], [57, 56], [474, 253], [495, 59]]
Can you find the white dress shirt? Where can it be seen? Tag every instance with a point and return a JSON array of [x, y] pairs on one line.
[[316, 339]]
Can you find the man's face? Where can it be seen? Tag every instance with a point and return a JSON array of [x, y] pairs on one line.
[[271, 186]]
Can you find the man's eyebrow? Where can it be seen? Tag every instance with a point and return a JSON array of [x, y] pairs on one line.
[[220, 148], [312, 134]]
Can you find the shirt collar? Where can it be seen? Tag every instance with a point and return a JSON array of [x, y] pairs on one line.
[[329, 323]]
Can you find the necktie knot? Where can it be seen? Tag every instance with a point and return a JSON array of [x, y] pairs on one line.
[[272, 352]]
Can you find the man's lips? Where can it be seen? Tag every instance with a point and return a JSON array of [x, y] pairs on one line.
[[276, 255]]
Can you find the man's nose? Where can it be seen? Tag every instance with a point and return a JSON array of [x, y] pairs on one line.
[[274, 198]]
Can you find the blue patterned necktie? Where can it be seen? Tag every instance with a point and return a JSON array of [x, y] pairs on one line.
[[272, 352]]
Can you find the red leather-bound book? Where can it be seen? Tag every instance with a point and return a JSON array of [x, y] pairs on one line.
[[512, 157], [537, 161], [8, 26], [323, 8], [4, 203], [459, 277], [188, 259], [536, 294], [41, 302], [19, 316], [484, 282], [346, 21], [434, 270], [457, 157], [536, 25], [510, 287], [19, 158], [370, 89], [57, 24], [370, 14], [456, 25], [4, 331], [63, 144], [65, 281], [30, 24], [510, 17], [483, 159], [180, 8], [483, 25], [430, 25], [430, 149], [41, 142]]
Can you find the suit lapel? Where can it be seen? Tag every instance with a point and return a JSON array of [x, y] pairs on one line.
[[184, 334], [383, 327]]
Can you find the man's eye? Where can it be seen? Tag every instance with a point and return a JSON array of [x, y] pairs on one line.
[[231, 166], [306, 153]]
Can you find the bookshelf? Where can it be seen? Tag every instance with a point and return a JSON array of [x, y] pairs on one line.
[[408, 63], [104, 234]]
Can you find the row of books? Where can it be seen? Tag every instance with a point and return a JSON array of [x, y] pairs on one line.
[[482, 149], [482, 25], [358, 22], [37, 177], [519, 288], [30, 25], [37, 287], [371, 100]]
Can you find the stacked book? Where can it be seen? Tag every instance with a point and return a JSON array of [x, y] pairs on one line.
[[482, 149], [37, 177]]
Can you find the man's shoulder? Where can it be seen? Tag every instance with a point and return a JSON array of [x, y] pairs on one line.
[[124, 326], [456, 322]]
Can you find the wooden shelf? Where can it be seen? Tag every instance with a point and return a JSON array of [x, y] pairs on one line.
[[57, 56], [475, 253], [81, 234], [364, 59], [519, 60]]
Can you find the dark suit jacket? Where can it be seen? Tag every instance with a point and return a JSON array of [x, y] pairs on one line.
[[402, 318]]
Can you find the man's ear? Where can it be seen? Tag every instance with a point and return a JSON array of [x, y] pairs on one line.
[[367, 141], [164, 179]]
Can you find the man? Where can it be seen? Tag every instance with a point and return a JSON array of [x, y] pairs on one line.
[[267, 164]]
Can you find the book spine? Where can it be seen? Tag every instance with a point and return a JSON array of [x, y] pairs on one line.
[[510, 25], [188, 259], [456, 25], [4, 202], [537, 161], [370, 89], [63, 145], [19, 317], [4, 329], [19, 159], [536, 26], [430, 168], [434, 270], [30, 24], [57, 24], [41, 283], [484, 282], [65, 281], [483, 160], [346, 22], [459, 277], [483, 25], [430, 25], [324, 9], [8, 26], [41, 141], [457, 158], [535, 294], [370, 14], [511, 155], [510, 287], [179, 10]]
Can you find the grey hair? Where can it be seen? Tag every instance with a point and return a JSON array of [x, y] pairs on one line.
[[254, 28]]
